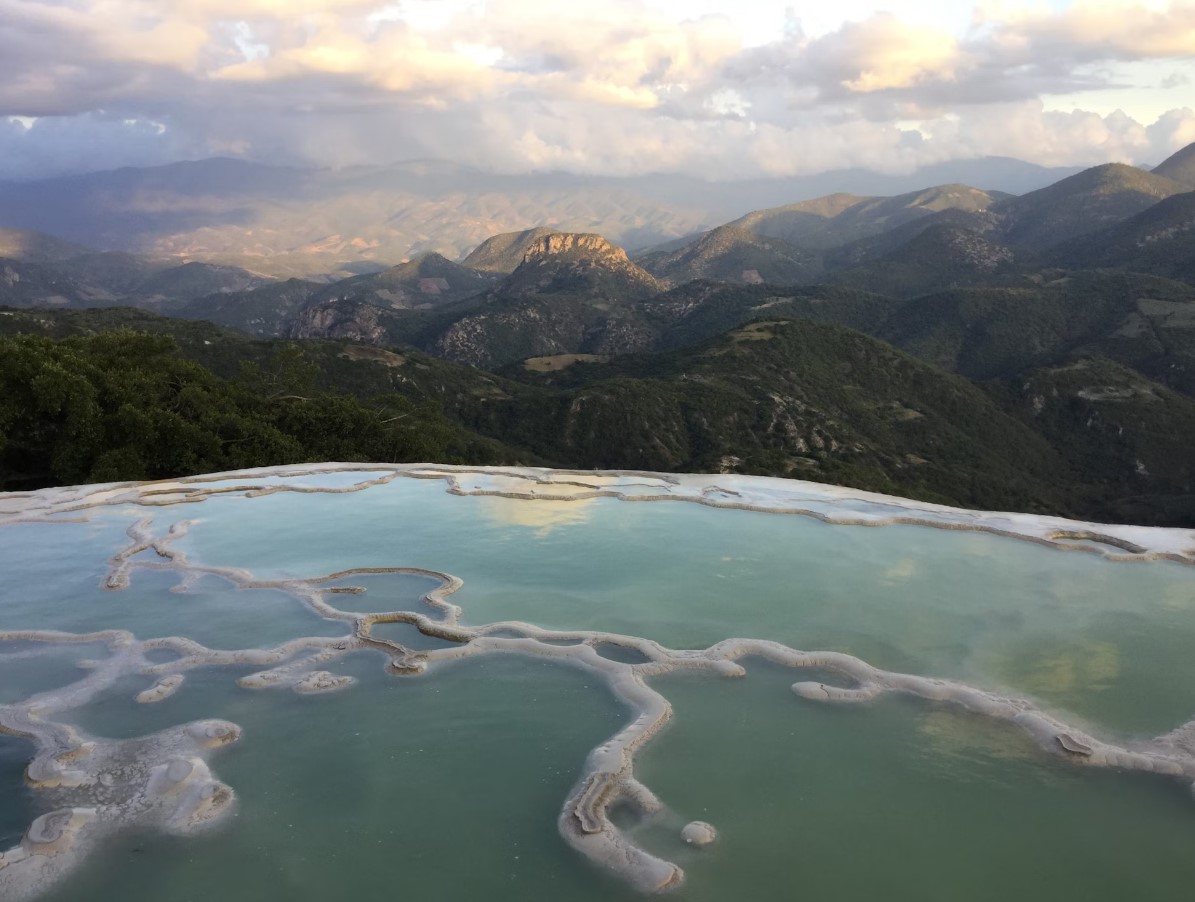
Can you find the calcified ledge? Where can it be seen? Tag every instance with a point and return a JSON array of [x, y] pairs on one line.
[[93, 787], [829, 503]]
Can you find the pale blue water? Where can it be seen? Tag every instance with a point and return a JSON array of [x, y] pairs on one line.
[[28, 668], [447, 786], [1103, 639], [19, 807]]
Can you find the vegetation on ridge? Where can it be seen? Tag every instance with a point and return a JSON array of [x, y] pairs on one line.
[[123, 405]]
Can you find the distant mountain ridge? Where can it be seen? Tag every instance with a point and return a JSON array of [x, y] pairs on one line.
[[840, 218], [788, 244], [38, 270], [285, 222], [731, 253], [37, 247], [542, 292]]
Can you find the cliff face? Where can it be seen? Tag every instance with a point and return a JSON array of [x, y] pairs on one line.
[[573, 293], [343, 320], [576, 245], [581, 265]]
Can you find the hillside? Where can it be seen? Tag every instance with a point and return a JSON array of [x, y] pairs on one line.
[[733, 254], [839, 219], [1093, 199], [24, 284], [1179, 167], [1106, 419], [775, 397], [940, 255], [36, 247], [124, 405], [426, 281], [1159, 240], [795, 398], [1141, 321], [101, 279], [266, 312], [503, 253]]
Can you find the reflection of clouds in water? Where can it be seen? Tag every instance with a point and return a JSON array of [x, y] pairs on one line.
[[1079, 594], [543, 516], [903, 569], [1065, 589], [1179, 597], [977, 545], [521, 485]]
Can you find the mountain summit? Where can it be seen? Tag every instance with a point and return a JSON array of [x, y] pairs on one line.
[[579, 264], [574, 246]]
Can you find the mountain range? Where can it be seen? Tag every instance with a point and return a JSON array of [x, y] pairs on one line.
[[284, 222], [967, 345]]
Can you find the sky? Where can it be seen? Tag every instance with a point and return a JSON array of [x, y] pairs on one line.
[[721, 89]]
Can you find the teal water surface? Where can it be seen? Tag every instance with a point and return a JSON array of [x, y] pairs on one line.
[[1102, 639], [447, 786]]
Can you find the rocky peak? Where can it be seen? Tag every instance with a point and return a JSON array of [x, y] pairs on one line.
[[341, 320], [573, 244], [580, 265]]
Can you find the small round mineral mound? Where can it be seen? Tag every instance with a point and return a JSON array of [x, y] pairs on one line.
[[698, 833], [55, 832], [49, 828], [179, 769], [213, 733]]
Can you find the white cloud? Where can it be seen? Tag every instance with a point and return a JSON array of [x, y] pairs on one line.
[[702, 86]]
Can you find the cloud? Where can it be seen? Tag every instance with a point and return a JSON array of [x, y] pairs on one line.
[[54, 144], [635, 86], [1092, 30]]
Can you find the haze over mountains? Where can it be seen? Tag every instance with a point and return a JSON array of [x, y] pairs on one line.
[[299, 222], [965, 344]]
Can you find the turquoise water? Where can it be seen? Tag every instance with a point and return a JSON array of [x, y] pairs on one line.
[[19, 807], [212, 612], [444, 788], [1105, 640], [383, 592], [447, 786], [903, 801], [27, 668]]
